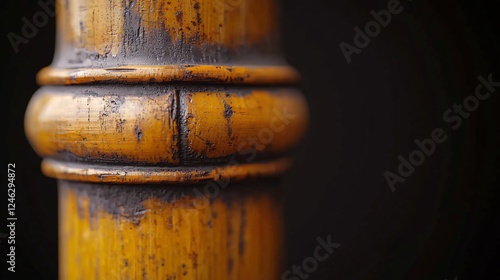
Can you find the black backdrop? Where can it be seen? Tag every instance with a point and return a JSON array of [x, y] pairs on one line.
[[441, 223]]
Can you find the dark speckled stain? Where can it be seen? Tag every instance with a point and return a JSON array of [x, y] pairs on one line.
[[198, 15], [170, 223], [228, 113], [155, 46], [211, 146], [138, 133], [119, 125], [243, 225], [194, 258], [178, 16], [113, 105], [144, 273]]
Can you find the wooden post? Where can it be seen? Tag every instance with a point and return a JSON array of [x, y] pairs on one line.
[[167, 124]]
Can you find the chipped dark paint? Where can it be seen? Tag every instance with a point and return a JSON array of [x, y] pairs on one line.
[[178, 17], [210, 146], [113, 105], [138, 133], [119, 125], [228, 113], [170, 223], [198, 15]]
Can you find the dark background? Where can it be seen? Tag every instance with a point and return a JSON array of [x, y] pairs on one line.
[[442, 223]]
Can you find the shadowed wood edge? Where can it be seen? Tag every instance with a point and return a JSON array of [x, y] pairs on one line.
[[207, 74], [234, 171]]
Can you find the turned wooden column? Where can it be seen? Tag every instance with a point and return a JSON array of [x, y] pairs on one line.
[[167, 124]]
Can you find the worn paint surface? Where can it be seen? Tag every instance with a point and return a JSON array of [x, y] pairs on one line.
[[153, 96], [161, 232], [165, 125], [117, 32]]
